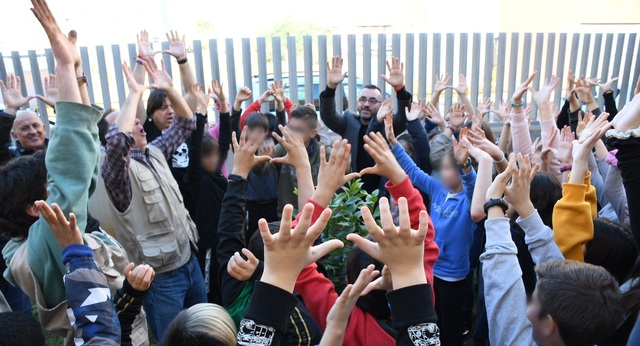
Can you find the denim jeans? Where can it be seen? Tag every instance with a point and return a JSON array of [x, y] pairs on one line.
[[17, 299], [170, 293]]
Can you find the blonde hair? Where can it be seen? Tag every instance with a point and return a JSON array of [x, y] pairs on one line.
[[202, 324]]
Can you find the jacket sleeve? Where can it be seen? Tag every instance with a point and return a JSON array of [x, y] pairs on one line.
[[629, 164], [318, 293], [6, 122], [573, 219], [610, 104], [195, 152], [328, 113], [90, 307], [421, 146], [265, 321], [413, 316], [71, 180], [128, 302], [520, 135], [400, 118], [235, 122], [563, 116], [416, 205], [253, 108], [468, 185], [614, 190], [420, 179], [224, 140], [539, 239], [231, 237], [504, 293], [376, 126]]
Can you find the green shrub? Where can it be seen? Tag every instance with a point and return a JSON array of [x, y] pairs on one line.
[[346, 219]]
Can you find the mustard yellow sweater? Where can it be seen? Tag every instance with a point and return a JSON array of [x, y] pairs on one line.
[[573, 218]]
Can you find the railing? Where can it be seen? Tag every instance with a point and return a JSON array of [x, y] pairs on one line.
[[494, 63]]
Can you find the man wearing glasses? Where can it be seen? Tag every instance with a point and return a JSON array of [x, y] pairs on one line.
[[353, 126]]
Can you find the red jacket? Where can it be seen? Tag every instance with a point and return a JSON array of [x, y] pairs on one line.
[[255, 108], [319, 294]]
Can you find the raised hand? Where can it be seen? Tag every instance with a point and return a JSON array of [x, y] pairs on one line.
[[484, 107], [218, 90], [518, 193], [160, 78], [202, 99], [542, 96], [134, 87], [277, 88], [503, 112], [461, 88], [339, 314], [479, 140], [388, 129], [63, 46], [289, 251], [415, 112], [144, 45], [12, 93], [460, 151], [432, 113], [499, 185], [386, 164], [582, 122], [456, 116], [140, 277], [400, 248], [177, 46], [383, 283], [242, 269], [584, 90], [296, 151], [335, 76], [595, 128], [66, 232], [244, 157], [332, 174], [607, 86], [477, 151], [385, 107], [396, 73], [50, 91], [267, 148], [266, 96], [522, 88], [244, 94], [442, 83], [566, 146]]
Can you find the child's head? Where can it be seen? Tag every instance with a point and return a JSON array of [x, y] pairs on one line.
[[375, 302], [23, 181], [449, 171], [201, 324], [405, 140], [574, 303], [210, 154], [303, 121], [257, 127], [20, 329], [612, 248]]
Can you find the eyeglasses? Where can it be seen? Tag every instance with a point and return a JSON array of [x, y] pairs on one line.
[[372, 101]]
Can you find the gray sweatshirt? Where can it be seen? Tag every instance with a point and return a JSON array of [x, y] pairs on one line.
[[505, 296]]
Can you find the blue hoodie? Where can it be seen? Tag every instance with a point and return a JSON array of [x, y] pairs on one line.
[[451, 216]]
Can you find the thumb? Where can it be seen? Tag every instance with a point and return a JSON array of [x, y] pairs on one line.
[[372, 286], [127, 269], [369, 170]]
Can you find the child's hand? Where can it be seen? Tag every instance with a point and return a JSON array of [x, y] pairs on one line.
[[242, 269], [66, 232], [296, 151], [499, 185], [244, 157], [289, 251], [140, 277], [333, 173], [400, 248], [386, 164], [518, 192]]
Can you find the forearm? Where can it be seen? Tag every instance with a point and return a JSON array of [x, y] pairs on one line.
[[305, 183], [468, 107], [128, 302], [421, 146], [125, 119], [539, 239], [188, 76], [84, 92], [520, 136], [68, 90], [505, 136], [614, 190], [180, 107], [435, 98], [572, 221], [483, 181], [412, 310], [610, 104], [139, 74]]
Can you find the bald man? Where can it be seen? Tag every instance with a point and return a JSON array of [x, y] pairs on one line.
[[24, 126]]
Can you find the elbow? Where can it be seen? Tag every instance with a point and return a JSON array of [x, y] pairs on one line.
[[477, 214]]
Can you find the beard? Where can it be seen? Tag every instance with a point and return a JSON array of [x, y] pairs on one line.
[[367, 113]]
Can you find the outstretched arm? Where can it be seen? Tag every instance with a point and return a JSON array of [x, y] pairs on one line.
[[328, 112]]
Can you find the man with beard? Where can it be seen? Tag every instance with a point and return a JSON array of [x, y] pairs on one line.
[[24, 126], [353, 126]]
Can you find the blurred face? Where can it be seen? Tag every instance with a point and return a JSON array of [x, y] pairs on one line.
[[139, 135], [302, 130], [406, 147], [449, 173], [210, 161], [28, 130], [256, 134], [368, 104], [163, 116]]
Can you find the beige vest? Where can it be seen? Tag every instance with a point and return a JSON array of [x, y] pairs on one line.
[[156, 229], [99, 204]]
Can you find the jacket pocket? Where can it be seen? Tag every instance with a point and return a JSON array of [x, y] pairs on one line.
[[159, 249], [176, 188], [153, 198]]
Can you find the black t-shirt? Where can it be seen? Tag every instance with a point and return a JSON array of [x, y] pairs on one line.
[[370, 182]]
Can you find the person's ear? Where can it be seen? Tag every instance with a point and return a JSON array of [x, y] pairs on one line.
[[32, 210], [314, 133], [13, 135], [548, 326]]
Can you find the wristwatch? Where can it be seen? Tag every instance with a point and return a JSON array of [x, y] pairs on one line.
[[82, 80], [237, 178], [465, 165], [495, 202], [518, 105]]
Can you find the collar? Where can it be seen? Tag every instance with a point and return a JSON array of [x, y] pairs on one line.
[[139, 154], [24, 151], [313, 146]]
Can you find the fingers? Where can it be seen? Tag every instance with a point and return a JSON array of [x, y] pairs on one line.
[[386, 219], [365, 245], [366, 275], [251, 258], [372, 227], [403, 215], [321, 250], [127, 270], [423, 228]]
